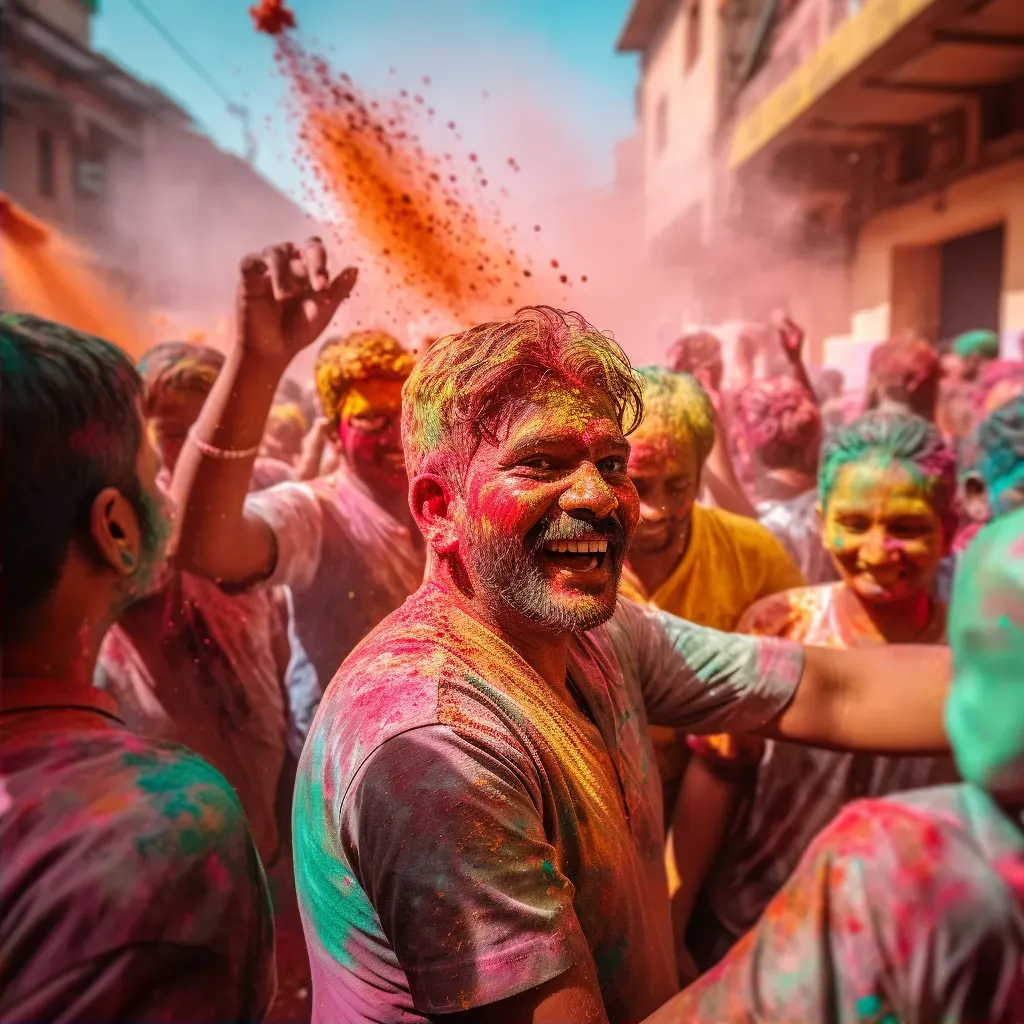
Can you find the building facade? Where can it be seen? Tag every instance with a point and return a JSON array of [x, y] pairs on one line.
[[868, 153]]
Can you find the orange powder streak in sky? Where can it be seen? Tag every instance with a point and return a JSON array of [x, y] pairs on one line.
[[45, 274], [425, 220]]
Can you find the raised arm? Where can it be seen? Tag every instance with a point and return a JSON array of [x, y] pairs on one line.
[[285, 300], [888, 699]]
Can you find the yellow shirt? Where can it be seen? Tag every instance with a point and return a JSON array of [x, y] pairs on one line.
[[730, 563]]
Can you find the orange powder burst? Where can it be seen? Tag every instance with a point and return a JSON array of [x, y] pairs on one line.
[[427, 224], [46, 275]]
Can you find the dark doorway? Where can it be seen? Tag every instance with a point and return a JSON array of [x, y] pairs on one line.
[[971, 282]]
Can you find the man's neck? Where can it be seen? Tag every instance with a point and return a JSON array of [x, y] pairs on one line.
[[547, 653], [653, 568], [66, 655]]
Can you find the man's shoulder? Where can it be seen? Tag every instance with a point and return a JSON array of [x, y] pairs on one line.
[[741, 532], [134, 835]]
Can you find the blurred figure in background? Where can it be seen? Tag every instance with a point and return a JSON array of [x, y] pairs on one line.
[[780, 425], [975, 349], [887, 487], [285, 433], [903, 376]]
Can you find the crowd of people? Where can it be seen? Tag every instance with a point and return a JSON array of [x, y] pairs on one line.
[[504, 682]]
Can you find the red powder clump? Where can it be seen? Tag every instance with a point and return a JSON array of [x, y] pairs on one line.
[[272, 17]]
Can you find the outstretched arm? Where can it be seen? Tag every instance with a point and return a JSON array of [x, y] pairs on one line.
[[885, 699], [285, 300]]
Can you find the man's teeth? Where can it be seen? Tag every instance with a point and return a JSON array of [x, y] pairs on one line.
[[578, 547]]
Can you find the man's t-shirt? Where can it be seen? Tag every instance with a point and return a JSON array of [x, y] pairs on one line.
[[462, 834], [130, 886], [906, 908], [348, 563]]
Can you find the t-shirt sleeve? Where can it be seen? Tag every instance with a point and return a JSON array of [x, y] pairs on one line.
[[703, 680], [447, 841], [890, 916], [295, 517]]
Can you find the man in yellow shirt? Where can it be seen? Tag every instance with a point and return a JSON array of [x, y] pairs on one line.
[[700, 563]]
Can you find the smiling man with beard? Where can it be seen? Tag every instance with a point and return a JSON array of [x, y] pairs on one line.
[[478, 824]]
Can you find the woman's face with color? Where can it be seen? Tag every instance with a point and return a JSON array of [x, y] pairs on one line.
[[664, 470], [547, 513], [171, 417], [370, 434], [882, 530]]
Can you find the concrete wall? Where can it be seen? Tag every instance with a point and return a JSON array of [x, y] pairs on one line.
[[894, 280], [677, 176]]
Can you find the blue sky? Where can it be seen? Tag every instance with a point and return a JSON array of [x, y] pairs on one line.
[[559, 51]]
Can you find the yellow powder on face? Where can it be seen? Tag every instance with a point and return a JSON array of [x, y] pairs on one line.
[[371, 397]]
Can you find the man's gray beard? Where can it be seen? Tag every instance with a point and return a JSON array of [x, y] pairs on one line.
[[506, 570]]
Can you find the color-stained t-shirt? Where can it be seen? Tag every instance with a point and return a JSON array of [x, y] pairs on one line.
[[198, 666], [730, 562], [796, 524], [130, 885], [348, 563], [463, 834], [794, 791], [908, 908]]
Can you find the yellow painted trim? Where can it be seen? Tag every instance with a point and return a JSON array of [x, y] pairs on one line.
[[855, 40]]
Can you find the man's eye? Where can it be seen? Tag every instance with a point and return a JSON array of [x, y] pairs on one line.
[[855, 524], [370, 424], [540, 462], [678, 487], [613, 464]]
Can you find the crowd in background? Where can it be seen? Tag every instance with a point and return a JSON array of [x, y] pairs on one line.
[[162, 684]]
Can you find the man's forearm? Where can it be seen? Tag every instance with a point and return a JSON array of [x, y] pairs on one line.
[[885, 699], [214, 538]]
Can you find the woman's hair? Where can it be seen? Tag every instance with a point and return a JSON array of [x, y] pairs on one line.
[[343, 362], [912, 441], [694, 349], [780, 422], [467, 384], [682, 405]]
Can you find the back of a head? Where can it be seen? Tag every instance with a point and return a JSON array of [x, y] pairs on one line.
[[464, 386], [676, 404], [906, 372], [694, 350], [911, 441], [780, 422], [343, 362], [980, 343], [985, 709], [997, 453], [70, 427], [177, 366]]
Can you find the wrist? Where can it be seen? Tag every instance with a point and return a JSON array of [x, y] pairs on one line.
[[257, 365]]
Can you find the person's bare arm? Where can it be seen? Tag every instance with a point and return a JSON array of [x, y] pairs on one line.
[[285, 300], [704, 810], [572, 996], [312, 457], [791, 337], [888, 699], [719, 473]]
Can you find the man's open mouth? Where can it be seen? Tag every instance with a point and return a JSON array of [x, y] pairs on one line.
[[577, 555]]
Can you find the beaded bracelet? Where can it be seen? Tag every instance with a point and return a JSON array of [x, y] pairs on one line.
[[221, 453]]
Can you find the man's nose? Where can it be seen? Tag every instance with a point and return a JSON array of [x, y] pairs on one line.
[[875, 548], [588, 491]]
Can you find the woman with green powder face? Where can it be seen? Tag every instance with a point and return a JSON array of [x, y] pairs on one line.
[[911, 907]]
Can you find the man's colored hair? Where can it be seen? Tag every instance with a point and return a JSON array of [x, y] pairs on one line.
[[71, 426], [912, 441], [468, 384], [998, 449], [906, 370], [344, 362], [693, 350], [679, 402], [780, 422], [174, 367], [979, 342]]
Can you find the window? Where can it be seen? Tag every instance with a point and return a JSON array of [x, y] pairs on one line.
[[661, 125], [44, 158], [692, 40]]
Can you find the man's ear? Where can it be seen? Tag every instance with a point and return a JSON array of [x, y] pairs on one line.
[[115, 531], [431, 499]]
